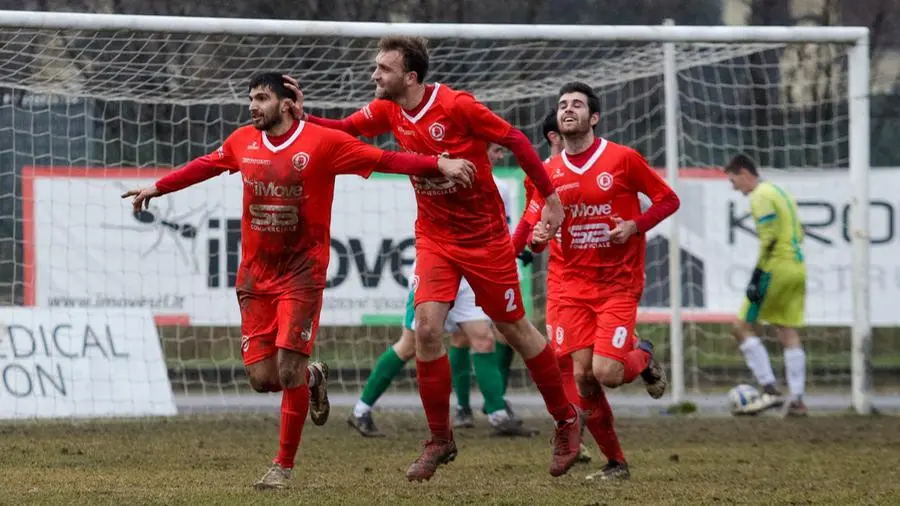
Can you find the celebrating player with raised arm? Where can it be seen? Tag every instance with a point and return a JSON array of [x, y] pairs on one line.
[[288, 168], [777, 290], [461, 232], [603, 247]]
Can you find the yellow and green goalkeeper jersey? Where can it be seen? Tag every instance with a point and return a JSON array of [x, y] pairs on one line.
[[777, 224]]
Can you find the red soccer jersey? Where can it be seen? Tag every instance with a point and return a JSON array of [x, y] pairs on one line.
[[594, 187], [454, 123], [288, 194], [555, 254]]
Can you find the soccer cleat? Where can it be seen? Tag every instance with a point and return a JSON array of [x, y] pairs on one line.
[[364, 425], [772, 397], [611, 471], [795, 408], [463, 419], [654, 375], [584, 455], [434, 454], [276, 478], [509, 409], [566, 445], [512, 427], [319, 407]]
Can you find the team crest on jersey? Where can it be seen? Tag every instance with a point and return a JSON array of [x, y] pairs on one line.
[[300, 161], [605, 181], [437, 131]]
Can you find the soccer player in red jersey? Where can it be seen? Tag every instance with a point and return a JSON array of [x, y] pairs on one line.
[[603, 248], [461, 232], [288, 169]]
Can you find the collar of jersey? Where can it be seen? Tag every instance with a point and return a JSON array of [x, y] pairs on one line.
[[431, 99], [591, 161], [273, 148]]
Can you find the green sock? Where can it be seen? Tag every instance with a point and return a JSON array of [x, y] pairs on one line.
[[387, 367], [490, 381], [505, 356], [461, 371]]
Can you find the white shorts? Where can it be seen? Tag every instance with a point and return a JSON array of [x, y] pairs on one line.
[[463, 310]]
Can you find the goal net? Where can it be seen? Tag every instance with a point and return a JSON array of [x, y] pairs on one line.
[[94, 107]]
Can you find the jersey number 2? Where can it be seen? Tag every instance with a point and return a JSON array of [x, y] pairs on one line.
[[510, 297]]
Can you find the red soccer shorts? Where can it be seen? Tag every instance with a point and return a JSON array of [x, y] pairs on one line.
[[272, 321], [606, 325], [489, 269]]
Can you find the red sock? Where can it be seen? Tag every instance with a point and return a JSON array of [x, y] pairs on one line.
[[435, 387], [635, 363], [545, 372], [599, 420], [567, 371], [294, 407]]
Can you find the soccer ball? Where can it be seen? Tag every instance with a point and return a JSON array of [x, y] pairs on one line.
[[740, 397]]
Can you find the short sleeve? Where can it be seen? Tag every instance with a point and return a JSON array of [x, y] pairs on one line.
[[349, 155], [482, 122], [374, 119]]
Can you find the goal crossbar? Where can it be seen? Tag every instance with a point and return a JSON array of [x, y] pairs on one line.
[[636, 33]]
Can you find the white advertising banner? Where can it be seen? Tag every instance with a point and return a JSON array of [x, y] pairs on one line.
[[85, 248], [81, 363], [717, 234], [180, 258]]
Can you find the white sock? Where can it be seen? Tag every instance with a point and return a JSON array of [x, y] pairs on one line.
[[498, 417], [361, 408], [795, 370], [757, 359]]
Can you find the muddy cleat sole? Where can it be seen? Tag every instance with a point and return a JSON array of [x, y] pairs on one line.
[[319, 407], [276, 478], [435, 453], [365, 425], [463, 419], [566, 445], [612, 471], [512, 427], [654, 375]]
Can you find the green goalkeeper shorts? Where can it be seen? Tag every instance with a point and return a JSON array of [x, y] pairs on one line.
[[783, 302]]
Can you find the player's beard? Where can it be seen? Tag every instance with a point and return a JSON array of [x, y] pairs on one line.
[[267, 121], [388, 92], [578, 134]]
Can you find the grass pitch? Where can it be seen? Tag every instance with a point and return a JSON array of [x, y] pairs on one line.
[[215, 460]]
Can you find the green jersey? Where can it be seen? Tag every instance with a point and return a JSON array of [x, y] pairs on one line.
[[777, 224]]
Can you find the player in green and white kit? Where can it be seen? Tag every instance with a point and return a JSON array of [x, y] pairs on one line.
[[776, 293]]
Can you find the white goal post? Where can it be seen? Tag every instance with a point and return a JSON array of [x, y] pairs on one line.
[[667, 86]]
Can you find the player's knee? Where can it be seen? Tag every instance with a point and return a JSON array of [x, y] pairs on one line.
[[459, 340], [740, 330], [264, 383], [482, 342], [609, 373], [291, 377], [585, 381]]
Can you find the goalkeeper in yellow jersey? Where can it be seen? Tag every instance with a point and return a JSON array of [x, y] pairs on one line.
[[777, 290]]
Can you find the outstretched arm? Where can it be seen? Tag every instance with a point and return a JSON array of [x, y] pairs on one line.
[[197, 170], [352, 156]]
